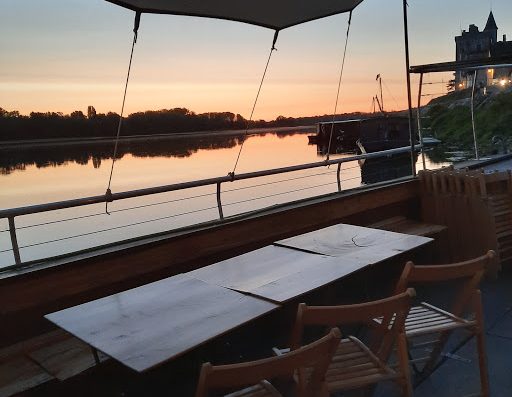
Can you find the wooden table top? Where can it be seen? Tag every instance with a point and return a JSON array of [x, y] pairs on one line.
[[276, 273], [149, 325], [360, 243]]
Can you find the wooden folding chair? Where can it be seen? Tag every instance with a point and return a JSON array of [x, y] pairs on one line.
[[314, 357], [426, 319], [354, 365]]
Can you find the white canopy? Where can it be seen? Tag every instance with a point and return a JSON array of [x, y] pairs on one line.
[[273, 14]]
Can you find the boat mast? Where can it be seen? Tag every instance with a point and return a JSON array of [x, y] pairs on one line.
[[379, 77], [408, 75]]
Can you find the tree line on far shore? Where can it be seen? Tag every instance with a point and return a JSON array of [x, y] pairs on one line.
[[37, 125]]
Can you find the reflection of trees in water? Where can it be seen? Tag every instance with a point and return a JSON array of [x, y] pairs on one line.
[[441, 153], [17, 159]]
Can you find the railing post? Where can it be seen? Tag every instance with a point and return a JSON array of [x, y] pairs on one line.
[[338, 177], [14, 240], [219, 203]]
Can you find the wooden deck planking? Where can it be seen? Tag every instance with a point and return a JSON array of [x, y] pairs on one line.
[[66, 358], [18, 374], [355, 242], [149, 325], [276, 273]]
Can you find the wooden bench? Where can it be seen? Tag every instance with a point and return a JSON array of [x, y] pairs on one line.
[[401, 224]]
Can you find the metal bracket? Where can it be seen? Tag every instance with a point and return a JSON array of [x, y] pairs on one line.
[[14, 240], [219, 203]]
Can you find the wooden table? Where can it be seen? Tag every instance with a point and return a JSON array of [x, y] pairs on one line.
[[149, 325], [276, 273], [355, 243]]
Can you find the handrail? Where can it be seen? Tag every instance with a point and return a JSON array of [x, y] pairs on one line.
[[11, 213], [58, 205]]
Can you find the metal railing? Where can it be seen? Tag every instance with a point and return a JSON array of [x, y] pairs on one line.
[[12, 213]]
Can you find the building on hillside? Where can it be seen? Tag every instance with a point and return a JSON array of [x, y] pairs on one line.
[[474, 45]]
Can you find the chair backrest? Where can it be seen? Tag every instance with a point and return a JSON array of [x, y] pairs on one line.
[[316, 355], [469, 272], [390, 312]]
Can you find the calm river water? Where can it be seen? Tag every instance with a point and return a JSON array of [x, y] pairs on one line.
[[44, 174]]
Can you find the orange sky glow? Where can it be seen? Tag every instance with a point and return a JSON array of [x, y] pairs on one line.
[[76, 55]]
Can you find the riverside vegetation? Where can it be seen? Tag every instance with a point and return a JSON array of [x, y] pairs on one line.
[[449, 118], [56, 125]]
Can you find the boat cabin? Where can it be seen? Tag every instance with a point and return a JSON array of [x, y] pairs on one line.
[[365, 135]]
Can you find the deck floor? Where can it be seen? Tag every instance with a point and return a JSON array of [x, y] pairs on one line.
[[458, 376]]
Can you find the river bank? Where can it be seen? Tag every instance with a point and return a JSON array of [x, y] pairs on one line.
[[52, 142]]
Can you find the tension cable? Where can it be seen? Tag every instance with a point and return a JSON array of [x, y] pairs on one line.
[[108, 193], [232, 174], [339, 86]]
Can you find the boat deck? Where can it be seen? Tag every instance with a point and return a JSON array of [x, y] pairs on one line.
[[457, 376]]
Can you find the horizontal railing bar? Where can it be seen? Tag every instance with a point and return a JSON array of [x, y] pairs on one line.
[[32, 209]]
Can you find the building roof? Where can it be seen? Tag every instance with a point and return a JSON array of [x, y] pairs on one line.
[[267, 13], [491, 23], [473, 64]]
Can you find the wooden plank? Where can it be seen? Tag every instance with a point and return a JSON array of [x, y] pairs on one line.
[[18, 374], [355, 242], [277, 273], [149, 325], [65, 358]]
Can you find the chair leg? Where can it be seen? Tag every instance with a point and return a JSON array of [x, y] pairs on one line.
[[403, 358], [430, 365], [480, 339]]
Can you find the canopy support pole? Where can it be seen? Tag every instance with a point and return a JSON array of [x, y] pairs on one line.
[[420, 133], [409, 96], [473, 113]]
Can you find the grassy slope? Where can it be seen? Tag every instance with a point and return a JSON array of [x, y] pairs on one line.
[[453, 125]]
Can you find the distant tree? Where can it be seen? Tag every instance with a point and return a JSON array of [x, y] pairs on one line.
[[7, 114], [77, 114]]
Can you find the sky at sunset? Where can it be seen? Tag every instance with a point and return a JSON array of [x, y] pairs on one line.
[[63, 55]]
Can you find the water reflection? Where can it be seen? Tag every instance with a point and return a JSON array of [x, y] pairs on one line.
[[18, 158], [384, 169], [374, 170], [57, 173]]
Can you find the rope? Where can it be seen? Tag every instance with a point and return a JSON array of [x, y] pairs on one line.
[[339, 85], [232, 174], [392, 96], [108, 193]]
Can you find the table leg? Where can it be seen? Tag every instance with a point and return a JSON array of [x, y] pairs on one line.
[[96, 356]]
